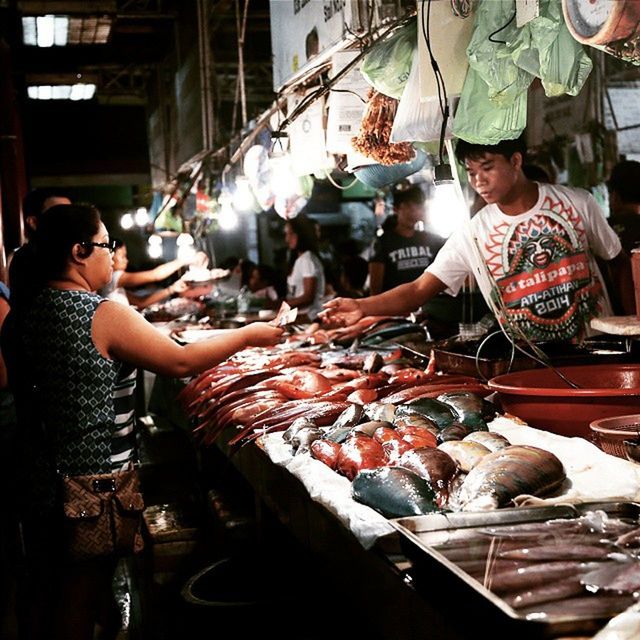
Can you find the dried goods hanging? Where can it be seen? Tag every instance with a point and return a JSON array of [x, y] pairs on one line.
[[375, 131]]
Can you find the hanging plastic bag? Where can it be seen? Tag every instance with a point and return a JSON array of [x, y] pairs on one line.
[[504, 60], [479, 121], [416, 119], [388, 65]]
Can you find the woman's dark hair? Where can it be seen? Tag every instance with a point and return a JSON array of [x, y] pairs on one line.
[[64, 226], [246, 267], [504, 148], [305, 229]]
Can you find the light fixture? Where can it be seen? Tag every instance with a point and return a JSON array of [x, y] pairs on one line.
[[75, 92], [126, 222], [141, 217], [186, 251], [447, 211], [184, 240], [243, 196], [62, 30], [227, 217], [155, 246], [442, 174]]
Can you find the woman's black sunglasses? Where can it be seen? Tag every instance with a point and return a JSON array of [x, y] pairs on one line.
[[111, 245]]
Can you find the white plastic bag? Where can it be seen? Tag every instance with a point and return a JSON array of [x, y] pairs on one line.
[[419, 120]]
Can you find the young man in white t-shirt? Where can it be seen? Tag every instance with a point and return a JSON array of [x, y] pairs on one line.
[[531, 248]]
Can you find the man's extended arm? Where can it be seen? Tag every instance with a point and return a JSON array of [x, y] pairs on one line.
[[399, 301]]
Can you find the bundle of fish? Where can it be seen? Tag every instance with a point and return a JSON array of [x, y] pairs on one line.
[[428, 455], [582, 567], [264, 391]]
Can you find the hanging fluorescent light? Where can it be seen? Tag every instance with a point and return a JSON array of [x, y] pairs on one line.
[[62, 30], [29, 31], [61, 92], [45, 26], [186, 251]]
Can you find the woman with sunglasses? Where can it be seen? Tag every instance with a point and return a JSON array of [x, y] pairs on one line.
[[79, 352]]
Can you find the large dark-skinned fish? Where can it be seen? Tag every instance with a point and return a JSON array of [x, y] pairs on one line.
[[473, 411], [434, 466], [394, 492], [502, 475]]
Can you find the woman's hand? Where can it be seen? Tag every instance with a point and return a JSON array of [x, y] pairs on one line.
[[341, 312], [261, 334]]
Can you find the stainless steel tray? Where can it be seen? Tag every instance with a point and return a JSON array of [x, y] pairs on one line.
[[445, 583]]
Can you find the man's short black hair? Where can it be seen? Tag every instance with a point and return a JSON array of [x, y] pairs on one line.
[[408, 193], [34, 200], [469, 150], [625, 180]]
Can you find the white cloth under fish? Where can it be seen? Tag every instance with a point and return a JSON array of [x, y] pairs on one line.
[[330, 489], [592, 474], [625, 626]]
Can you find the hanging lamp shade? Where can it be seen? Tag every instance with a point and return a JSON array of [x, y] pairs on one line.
[[381, 175]]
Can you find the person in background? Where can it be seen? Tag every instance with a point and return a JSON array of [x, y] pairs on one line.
[[624, 202], [261, 282], [35, 203], [531, 249], [536, 173], [9, 538], [306, 280], [353, 276], [70, 360], [402, 253], [123, 280]]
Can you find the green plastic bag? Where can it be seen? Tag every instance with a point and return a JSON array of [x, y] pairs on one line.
[[388, 65], [503, 61]]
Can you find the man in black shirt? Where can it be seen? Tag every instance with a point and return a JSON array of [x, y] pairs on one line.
[[402, 253]]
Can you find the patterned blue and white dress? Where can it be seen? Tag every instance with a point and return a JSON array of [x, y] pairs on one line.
[[87, 401]]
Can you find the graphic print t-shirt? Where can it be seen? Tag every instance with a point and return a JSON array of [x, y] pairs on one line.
[[541, 262], [404, 259]]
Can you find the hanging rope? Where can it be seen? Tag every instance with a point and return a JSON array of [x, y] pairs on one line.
[[240, 93]]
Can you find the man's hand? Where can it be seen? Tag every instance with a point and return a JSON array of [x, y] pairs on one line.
[[341, 312]]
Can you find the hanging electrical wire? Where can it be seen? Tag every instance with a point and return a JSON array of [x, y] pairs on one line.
[[443, 100]]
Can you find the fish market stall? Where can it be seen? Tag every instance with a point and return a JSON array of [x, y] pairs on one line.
[[349, 446]]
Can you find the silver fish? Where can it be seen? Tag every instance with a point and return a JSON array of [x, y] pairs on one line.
[[502, 475]]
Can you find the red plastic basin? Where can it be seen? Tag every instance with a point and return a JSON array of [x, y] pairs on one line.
[[544, 401]]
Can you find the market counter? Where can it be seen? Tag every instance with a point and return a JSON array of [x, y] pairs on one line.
[[379, 586], [369, 561]]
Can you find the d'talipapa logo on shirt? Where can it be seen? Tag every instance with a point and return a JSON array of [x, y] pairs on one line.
[[543, 273]]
